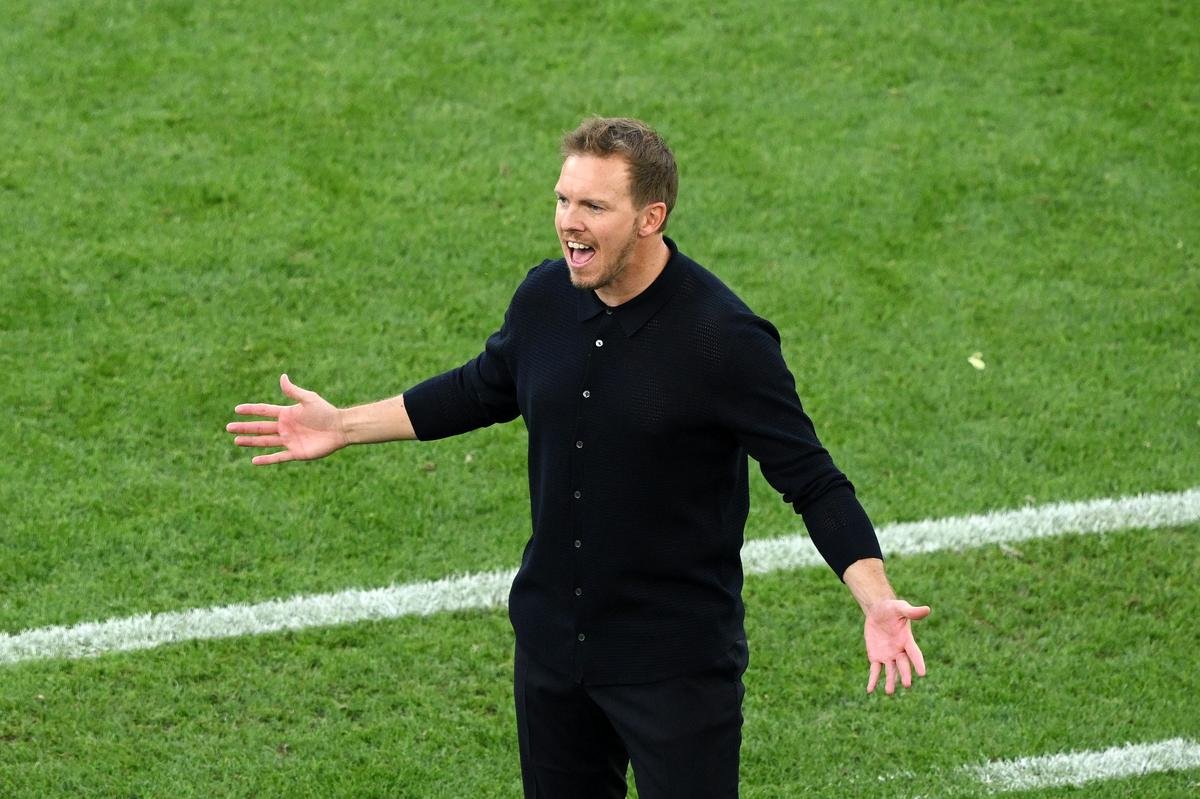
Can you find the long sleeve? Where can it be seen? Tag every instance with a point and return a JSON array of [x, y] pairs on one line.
[[841, 530], [763, 409], [479, 393]]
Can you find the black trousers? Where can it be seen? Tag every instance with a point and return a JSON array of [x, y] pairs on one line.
[[682, 735]]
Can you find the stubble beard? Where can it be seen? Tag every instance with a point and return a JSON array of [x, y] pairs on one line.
[[614, 271]]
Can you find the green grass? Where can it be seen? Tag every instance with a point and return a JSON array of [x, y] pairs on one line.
[[197, 196]]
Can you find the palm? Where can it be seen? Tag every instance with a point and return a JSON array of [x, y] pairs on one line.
[[890, 643], [307, 430]]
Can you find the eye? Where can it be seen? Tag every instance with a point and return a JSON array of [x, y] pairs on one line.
[[595, 209]]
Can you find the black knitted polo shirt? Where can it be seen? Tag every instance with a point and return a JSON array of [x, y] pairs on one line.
[[640, 419]]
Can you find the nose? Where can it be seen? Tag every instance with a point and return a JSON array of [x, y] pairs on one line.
[[569, 218]]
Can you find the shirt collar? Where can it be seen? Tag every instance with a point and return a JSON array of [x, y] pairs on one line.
[[634, 313]]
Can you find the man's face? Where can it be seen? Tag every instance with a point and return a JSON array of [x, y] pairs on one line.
[[596, 220]]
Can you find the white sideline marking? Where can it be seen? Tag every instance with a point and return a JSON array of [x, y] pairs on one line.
[[481, 590], [1145, 511], [489, 589], [1077, 768]]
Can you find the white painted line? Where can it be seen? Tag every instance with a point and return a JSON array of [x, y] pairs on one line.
[[489, 589], [1145, 511], [482, 590], [1077, 768]]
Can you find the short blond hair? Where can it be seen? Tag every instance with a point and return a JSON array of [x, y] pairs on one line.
[[653, 174]]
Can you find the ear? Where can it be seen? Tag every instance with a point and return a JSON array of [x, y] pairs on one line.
[[651, 219]]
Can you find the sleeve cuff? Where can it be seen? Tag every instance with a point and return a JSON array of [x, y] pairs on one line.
[[439, 408], [840, 529]]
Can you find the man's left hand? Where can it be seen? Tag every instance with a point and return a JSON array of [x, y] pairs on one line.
[[890, 643]]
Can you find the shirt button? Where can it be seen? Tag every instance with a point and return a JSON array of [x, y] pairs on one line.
[[581, 637], [599, 342], [586, 394], [608, 311], [578, 543], [578, 494], [578, 592], [578, 445]]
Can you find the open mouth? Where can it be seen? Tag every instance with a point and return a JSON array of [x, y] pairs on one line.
[[579, 255]]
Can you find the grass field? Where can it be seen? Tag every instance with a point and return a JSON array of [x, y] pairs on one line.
[[197, 196]]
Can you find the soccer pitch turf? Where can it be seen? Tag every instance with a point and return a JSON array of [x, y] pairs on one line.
[[195, 197]]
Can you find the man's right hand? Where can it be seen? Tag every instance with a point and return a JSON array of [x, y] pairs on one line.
[[311, 429]]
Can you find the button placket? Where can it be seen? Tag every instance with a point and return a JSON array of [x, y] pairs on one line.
[[594, 344]]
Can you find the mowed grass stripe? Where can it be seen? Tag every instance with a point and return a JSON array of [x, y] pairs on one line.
[[483, 590], [1078, 768]]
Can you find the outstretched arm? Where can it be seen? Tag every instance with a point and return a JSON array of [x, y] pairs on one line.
[[888, 627], [314, 428]]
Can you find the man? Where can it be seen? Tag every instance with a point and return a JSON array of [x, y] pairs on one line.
[[644, 383]]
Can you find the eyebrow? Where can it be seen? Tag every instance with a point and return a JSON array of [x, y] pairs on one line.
[[584, 200]]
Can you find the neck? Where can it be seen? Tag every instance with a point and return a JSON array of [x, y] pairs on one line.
[[646, 262]]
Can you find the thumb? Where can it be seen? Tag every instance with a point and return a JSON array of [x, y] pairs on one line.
[[910, 612], [292, 390]]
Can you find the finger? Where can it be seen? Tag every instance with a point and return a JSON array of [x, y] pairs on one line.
[[253, 428], [258, 409], [905, 669], [292, 390], [918, 659], [917, 612], [890, 685], [259, 441], [274, 457], [874, 677]]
